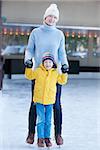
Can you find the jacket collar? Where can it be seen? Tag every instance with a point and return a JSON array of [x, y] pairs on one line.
[[43, 68]]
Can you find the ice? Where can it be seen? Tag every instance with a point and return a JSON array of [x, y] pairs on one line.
[[81, 114]]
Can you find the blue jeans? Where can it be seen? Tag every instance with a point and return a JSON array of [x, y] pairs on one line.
[[44, 115]]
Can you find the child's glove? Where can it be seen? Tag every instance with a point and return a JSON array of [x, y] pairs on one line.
[[29, 63], [64, 68]]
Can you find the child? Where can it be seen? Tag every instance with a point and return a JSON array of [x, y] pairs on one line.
[[46, 76]]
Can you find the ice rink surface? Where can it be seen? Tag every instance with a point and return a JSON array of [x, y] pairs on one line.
[[81, 114]]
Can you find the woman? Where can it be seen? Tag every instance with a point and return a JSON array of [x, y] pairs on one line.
[[47, 38]]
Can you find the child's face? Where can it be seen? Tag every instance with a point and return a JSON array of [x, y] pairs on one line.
[[48, 64]]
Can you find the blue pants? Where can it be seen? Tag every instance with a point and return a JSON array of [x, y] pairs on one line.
[[44, 115], [57, 109]]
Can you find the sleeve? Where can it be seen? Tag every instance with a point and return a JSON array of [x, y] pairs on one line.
[[29, 53], [30, 74], [62, 78], [61, 51]]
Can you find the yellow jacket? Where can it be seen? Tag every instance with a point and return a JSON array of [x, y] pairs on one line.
[[45, 83]]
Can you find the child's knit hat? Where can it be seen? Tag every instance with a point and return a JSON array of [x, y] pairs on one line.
[[52, 10], [49, 56]]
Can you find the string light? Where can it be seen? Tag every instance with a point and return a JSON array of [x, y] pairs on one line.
[[84, 35], [95, 35], [79, 34], [73, 34], [90, 35], [5, 31], [28, 33], [67, 34], [17, 32], [11, 31], [22, 33]]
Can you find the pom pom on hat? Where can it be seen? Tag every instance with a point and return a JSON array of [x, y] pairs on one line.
[[52, 10]]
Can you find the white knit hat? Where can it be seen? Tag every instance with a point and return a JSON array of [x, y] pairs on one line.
[[52, 10]]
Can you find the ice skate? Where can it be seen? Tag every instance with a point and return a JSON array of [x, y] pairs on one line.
[[48, 142], [40, 142], [30, 138], [59, 140]]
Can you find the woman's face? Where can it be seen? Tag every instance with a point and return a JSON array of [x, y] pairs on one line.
[[51, 20]]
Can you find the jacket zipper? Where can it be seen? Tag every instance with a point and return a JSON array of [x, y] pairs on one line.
[[44, 88]]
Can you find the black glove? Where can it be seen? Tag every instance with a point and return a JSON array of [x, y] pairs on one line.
[[29, 63], [64, 68]]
